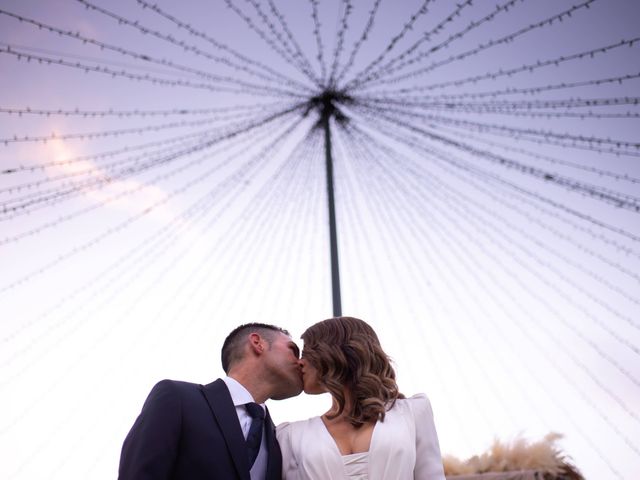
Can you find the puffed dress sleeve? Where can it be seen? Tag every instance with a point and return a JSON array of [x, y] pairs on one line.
[[289, 464], [428, 458]]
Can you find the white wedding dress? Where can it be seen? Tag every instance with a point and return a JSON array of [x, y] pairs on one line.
[[403, 447]]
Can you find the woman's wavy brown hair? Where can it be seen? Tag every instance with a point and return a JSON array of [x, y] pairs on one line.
[[347, 353]]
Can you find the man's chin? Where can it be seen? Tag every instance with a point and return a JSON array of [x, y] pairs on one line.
[[293, 392]]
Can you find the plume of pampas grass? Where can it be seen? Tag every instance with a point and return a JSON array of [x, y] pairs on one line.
[[520, 454]]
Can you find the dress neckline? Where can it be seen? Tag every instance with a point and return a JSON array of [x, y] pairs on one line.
[[355, 455], [335, 445]]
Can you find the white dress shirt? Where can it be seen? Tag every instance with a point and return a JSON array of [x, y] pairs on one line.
[[403, 447], [241, 396]]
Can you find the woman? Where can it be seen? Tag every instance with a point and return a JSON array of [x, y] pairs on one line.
[[371, 431]]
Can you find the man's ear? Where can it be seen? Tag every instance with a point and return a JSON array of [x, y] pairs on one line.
[[255, 343]]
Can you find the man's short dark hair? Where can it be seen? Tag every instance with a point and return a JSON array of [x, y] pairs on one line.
[[232, 347]]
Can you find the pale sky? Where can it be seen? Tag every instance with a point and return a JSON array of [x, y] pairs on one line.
[[161, 182]]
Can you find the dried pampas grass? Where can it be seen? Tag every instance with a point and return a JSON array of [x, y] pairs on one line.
[[542, 456]]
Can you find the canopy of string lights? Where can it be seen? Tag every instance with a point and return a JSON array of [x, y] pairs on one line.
[[170, 170]]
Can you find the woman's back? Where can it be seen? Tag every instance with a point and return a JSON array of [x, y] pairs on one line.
[[402, 447]]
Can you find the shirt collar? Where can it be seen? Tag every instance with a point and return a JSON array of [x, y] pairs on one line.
[[239, 394]]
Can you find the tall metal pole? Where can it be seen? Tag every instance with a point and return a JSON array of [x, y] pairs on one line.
[[325, 116]]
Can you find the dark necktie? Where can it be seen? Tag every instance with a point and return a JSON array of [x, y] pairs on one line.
[[254, 438]]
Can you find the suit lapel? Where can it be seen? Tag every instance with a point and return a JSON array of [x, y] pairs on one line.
[[274, 458], [219, 399]]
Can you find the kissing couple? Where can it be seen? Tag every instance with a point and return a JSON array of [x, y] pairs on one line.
[[223, 430]]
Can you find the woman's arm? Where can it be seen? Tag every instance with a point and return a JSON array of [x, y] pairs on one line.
[[289, 466], [428, 457]]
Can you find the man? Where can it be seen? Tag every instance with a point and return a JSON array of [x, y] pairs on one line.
[[192, 432]]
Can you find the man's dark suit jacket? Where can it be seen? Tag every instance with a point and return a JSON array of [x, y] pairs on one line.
[[191, 432]]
